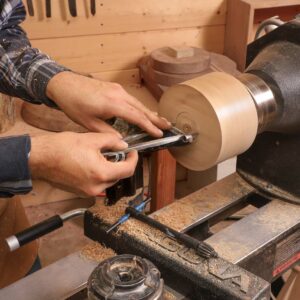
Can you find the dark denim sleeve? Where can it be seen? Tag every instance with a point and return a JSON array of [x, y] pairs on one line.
[[14, 168]]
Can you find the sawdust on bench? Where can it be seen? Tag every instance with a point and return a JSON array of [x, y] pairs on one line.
[[96, 252], [110, 214], [168, 296], [133, 227], [178, 217]]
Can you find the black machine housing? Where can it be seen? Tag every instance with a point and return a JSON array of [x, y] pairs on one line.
[[272, 164]]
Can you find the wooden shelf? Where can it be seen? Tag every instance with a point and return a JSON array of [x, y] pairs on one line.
[[243, 18]]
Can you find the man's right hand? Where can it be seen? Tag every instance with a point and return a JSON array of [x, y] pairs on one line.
[[74, 161]]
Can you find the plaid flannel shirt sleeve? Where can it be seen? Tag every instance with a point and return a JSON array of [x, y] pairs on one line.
[[24, 71]]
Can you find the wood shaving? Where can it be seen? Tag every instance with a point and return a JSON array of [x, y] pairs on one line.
[[168, 296], [97, 252], [178, 217], [111, 214]]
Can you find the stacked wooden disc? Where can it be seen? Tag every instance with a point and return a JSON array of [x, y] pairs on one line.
[[47, 118], [172, 65], [50, 119]]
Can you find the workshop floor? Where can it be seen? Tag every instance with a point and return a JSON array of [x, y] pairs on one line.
[[65, 240]]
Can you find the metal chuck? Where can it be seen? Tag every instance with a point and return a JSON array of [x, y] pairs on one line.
[[125, 277]]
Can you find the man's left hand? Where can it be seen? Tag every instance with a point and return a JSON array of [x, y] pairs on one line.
[[89, 102]]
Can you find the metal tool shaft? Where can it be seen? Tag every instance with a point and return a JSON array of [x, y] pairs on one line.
[[177, 139], [201, 248]]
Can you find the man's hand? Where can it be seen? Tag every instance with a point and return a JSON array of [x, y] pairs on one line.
[[88, 102], [74, 161]]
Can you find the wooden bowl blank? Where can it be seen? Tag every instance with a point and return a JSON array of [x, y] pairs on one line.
[[47, 118], [219, 108]]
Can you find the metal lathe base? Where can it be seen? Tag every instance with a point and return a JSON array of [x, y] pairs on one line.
[[253, 251]]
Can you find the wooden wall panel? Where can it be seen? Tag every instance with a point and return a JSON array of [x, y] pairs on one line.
[[116, 16], [107, 52], [238, 31], [120, 76]]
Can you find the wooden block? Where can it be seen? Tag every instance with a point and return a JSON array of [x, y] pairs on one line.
[[181, 52], [7, 112], [163, 177]]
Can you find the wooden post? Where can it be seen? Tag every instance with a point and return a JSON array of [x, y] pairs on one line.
[[7, 112], [163, 177]]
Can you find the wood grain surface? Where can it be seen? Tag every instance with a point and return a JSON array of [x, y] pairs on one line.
[[120, 16], [220, 110], [7, 112], [44, 117], [121, 51]]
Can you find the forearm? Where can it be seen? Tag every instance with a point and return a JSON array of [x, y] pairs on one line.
[[15, 173], [24, 71]]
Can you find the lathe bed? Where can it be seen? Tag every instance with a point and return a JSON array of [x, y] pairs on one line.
[[265, 243], [253, 251]]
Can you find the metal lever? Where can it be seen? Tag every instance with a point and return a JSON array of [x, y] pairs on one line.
[[36, 231]]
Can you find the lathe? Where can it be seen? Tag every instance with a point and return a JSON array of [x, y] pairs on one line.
[[255, 116]]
